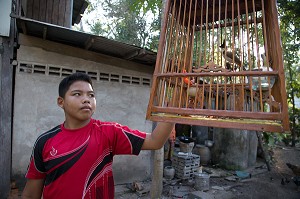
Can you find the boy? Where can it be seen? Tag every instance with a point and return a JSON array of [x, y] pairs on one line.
[[74, 159]]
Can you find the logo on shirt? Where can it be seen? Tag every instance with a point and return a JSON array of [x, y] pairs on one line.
[[53, 152]]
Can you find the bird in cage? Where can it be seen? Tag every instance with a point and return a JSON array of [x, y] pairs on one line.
[[231, 58], [228, 66], [187, 80]]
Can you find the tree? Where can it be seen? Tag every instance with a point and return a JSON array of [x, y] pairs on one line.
[[289, 12], [128, 21], [146, 5]]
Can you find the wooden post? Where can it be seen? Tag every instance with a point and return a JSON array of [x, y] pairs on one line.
[[265, 155], [158, 155], [6, 77], [6, 101], [157, 174], [157, 171]]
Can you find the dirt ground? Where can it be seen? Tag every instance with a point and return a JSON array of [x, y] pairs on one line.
[[223, 184], [263, 184]]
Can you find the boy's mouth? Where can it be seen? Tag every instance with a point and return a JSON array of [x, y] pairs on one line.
[[86, 108]]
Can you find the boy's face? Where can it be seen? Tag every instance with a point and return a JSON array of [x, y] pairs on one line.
[[79, 102]]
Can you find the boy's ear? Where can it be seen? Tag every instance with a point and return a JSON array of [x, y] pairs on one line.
[[60, 102]]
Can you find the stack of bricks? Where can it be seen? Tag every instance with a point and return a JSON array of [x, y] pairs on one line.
[[185, 165]]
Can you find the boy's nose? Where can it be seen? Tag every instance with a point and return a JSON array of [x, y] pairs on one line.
[[86, 99]]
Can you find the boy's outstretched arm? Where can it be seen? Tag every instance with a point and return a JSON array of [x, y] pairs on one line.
[[33, 189], [158, 137]]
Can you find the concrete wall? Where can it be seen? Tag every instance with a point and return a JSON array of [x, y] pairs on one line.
[[234, 149], [36, 111]]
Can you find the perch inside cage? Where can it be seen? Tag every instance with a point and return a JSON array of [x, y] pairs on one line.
[[219, 64]]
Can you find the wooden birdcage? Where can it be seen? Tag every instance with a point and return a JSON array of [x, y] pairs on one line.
[[220, 64]]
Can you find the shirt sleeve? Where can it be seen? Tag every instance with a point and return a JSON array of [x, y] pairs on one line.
[[32, 172], [36, 169], [127, 141]]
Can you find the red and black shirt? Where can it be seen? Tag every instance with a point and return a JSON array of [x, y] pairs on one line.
[[78, 163]]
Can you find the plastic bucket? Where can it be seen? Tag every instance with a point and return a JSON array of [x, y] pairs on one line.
[[201, 181]]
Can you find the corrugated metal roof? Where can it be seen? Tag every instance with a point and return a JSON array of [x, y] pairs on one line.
[[86, 41]]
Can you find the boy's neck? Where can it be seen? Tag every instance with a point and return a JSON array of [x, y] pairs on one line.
[[75, 125]]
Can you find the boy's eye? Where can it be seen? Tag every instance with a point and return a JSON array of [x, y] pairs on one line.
[[92, 95], [76, 94]]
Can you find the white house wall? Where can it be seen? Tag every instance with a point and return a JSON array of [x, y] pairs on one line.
[[122, 96]]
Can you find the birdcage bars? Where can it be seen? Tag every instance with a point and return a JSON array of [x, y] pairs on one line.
[[217, 65]]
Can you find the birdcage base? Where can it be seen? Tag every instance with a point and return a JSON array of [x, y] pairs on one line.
[[211, 121]]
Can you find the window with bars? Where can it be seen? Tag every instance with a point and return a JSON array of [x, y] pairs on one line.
[[61, 71]]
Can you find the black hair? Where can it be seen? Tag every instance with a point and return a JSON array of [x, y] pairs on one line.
[[65, 84]]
